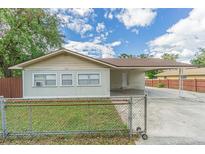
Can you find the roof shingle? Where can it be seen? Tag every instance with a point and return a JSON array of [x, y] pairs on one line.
[[143, 62]]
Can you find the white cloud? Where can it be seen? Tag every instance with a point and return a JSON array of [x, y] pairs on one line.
[[100, 27], [136, 17], [75, 19], [136, 31], [108, 15], [91, 49], [102, 34], [83, 12], [102, 37], [183, 38], [77, 25], [115, 43]]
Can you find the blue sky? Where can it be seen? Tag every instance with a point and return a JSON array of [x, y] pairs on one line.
[[110, 32]]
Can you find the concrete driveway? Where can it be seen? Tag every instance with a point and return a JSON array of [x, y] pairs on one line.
[[174, 120]]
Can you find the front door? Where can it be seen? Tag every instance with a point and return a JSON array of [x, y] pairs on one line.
[[124, 79]]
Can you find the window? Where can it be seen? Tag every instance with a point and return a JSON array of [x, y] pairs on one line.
[[42, 80], [66, 80], [88, 79]]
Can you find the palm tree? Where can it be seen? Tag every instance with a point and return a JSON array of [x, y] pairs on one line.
[[124, 55]]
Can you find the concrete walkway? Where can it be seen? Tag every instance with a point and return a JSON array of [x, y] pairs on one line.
[[174, 120]]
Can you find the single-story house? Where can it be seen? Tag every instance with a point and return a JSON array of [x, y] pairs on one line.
[[65, 73], [189, 73]]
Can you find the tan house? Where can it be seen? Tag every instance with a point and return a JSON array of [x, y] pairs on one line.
[[65, 73], [189, 73]]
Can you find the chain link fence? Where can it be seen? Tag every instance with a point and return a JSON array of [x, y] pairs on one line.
[[72, 116]]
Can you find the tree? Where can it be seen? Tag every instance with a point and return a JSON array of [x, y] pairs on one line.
[[26, 34], [199, 58], [168, 56], [152, 73], [124, 55], [143, 55]]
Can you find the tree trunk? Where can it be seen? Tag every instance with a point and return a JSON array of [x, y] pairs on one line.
[[7, 72]]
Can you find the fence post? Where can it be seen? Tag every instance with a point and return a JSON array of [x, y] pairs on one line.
[[130, 116], [3, 117], [30, 119], [195, 85], [145, 113], [167, 83]]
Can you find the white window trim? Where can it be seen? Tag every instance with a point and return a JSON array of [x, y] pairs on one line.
[[96, 85], [66, 85], [33, 85]]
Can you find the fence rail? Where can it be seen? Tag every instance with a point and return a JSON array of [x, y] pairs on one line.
[[197, 85], [72, 116]]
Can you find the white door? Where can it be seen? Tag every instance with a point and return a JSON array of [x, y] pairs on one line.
[[124, 80]]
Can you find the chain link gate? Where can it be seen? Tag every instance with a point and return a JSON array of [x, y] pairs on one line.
[[139, 109], [73, 116]]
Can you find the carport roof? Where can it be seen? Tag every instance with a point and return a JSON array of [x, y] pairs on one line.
[[143, 62]]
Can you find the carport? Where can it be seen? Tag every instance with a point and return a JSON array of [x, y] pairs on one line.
[[127, 77]]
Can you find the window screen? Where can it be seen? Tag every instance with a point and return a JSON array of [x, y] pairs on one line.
[[88, 79], [41, 80], [66, 79]]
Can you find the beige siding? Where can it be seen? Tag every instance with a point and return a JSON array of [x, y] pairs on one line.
[[136, 80], [115, 79], [64, 61], [102, 90]]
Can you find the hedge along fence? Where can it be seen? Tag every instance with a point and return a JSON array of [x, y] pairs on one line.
[[11, 87], [197, 85]]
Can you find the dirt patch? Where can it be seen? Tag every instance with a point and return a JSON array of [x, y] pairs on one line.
[[71, 140]]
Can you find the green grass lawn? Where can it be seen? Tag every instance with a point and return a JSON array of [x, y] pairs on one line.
[[63, 118], [66, 118]]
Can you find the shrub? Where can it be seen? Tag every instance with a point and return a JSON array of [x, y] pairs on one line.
[[161, 85]]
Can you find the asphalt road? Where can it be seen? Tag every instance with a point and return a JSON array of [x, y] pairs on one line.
[[174, 120]]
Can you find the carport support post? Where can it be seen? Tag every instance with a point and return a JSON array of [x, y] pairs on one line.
[[180, 82], [3, 117]]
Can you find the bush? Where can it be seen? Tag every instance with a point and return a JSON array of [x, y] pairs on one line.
[[161, 85]]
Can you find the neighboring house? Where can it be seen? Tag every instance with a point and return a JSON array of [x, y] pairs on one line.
[[191, 73], [65, 73]]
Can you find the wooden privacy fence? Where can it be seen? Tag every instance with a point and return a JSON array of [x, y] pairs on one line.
[[197, 85], [11, 87]]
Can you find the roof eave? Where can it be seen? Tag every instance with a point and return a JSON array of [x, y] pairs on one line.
[[15, 68], [30, 62], [161, 67]]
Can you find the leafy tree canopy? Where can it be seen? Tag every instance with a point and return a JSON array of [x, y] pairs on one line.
[[199, 58], [152, 73], [168, 56], [26, 34], [143, 55]]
